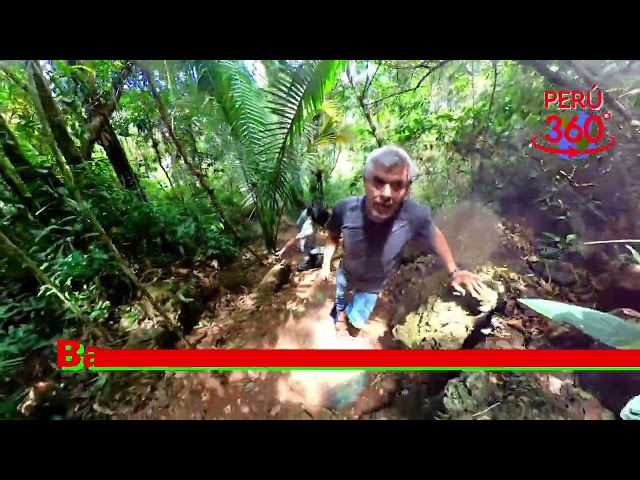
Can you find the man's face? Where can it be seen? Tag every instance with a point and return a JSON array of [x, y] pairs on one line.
[[386, 188]]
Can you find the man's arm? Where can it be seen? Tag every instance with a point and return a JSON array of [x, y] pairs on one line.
[[334, 232], [461, 280], [301, 218], [329, 249], [441, 247]]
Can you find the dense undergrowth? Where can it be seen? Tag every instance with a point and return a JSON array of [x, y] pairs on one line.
[[165, 230], [112, 169]]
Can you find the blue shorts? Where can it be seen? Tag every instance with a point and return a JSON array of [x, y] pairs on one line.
[[359, 308]]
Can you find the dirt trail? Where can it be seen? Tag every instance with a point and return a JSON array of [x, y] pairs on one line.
[[296, 316]]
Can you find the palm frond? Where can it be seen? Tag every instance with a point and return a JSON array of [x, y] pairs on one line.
[[294, 99], [267, 125], [333, 110], [240, 99], [345, 134], [301, 95]]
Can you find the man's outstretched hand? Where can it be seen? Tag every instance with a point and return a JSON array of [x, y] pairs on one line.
[[324, 273], [464, 281]]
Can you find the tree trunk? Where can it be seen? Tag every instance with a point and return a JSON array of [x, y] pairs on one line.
[[118, 159], [16, 185], [8, 171], [54, 117], [101, 131], [100, 115]]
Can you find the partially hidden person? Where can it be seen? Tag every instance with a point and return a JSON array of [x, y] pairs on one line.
[[306, 237]]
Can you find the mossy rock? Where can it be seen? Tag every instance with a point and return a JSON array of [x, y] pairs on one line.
[[275, 279], [513, 396], [426, 303], [438, 324]]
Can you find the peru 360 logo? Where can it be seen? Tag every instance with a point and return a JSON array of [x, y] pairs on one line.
[[575, 133]]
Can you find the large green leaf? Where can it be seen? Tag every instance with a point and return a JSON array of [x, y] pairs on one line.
[[636, 255], [604, 327], [631, 410]]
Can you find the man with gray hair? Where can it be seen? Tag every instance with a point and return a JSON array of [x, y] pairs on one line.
[[375, 228]]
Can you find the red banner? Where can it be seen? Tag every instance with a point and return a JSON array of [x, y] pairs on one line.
[[72, 355]]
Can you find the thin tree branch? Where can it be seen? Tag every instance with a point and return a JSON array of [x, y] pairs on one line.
[[423, 64], [365, 110], [430, 70], [369, 81], [491, 99], [615, 105]]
